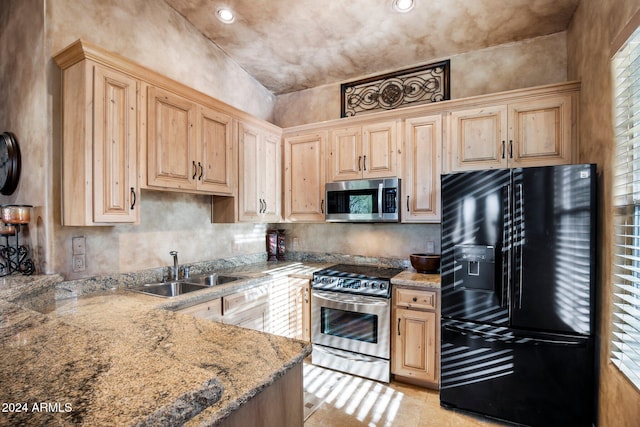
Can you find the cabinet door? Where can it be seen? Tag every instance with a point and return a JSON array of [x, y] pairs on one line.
[[379, 147], [304, 177], [171, 141], [249, 206], [300, 309], [260, 169], [422, 168], [345, 157], [115, 186], [270, 152], [478, 138], [540, 132], [215, 155], [210, 310], [415, 345]]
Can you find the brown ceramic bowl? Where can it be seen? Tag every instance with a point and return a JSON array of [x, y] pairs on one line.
[[425, 263]]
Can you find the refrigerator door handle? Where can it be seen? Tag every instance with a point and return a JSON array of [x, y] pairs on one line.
[[520, 242], [506, 246]]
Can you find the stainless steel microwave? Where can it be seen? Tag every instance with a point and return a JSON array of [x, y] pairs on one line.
[[363, 200]]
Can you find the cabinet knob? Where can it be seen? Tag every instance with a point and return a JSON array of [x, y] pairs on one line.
[[415, 299]]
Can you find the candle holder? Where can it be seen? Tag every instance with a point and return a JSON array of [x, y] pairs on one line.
[[14, 257]]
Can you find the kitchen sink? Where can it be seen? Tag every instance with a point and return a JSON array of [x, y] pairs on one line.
[[169, 289], [212, 279]]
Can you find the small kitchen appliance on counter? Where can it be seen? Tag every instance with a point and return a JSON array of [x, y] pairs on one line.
[[351, 319]]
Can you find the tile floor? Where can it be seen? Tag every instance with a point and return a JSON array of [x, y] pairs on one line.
[[335, 399]]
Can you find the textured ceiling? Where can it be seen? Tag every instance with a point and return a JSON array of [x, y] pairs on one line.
[[290, 45]]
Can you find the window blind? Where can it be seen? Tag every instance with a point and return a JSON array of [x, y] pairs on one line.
[[625, 338]]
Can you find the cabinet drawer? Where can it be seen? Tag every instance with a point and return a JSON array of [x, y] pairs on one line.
[[413, 298], [211, 310], [242, 301]]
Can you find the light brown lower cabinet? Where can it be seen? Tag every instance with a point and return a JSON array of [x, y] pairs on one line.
[[248, 309], [416, 343]]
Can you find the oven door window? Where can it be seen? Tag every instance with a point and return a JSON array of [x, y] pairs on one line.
[[349, 324]]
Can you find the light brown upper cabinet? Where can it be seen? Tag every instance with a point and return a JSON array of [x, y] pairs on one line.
[[421, 171], [259, 189], [190, 146], [304, 177], [99, 143], [533, 132], [363, 151]]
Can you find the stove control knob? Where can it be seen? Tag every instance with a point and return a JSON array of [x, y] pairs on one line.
[[383, 286], [374, 285]]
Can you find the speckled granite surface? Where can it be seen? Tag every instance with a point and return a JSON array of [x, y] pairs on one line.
[[412, 278], [122, 358], [98, 354]]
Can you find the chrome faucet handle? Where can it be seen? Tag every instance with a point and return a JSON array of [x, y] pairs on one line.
[[174, 270]]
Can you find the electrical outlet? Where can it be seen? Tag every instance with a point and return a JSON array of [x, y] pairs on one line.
[[78, 263], [78, 245], [431, 247]]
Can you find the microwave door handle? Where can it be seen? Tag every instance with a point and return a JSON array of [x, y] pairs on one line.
[[380, 188]]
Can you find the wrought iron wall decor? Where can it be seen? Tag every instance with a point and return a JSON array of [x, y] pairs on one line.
[[418, 85]]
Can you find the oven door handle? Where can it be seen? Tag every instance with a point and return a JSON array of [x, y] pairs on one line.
[[351, 299]]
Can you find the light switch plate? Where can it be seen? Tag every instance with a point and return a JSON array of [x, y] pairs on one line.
[[78, 245], [431, 247]]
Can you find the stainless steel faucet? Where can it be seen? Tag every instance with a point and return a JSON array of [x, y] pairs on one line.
[[175, 269]]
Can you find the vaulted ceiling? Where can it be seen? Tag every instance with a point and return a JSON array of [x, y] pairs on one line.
[[290, 45]]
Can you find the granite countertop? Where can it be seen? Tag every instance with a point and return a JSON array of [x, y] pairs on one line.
[[122, 358], [414, 279], [94, 353]]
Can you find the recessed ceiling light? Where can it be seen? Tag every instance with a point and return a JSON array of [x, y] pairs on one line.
[[403, 5], [225, 15]]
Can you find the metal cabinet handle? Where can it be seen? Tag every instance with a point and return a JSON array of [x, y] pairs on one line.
[[195, 170], [133, 198], [365, 163], [511, 149], [201, 171], [399, 319], [503, 148], [359, 163], [265, 207], [322, 206], [407, 203]]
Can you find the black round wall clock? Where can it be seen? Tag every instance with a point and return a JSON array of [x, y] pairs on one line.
[[10, 163]]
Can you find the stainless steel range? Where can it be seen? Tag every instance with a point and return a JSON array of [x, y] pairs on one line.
[[351, 319]]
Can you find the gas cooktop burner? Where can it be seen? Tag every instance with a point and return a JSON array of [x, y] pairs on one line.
[[356, 279]]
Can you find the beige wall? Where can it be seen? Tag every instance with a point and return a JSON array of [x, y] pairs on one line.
[[594, 28], [155, 36], [533, 62], [23, 90]]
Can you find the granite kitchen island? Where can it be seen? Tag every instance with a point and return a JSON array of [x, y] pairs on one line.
[[120, 358]]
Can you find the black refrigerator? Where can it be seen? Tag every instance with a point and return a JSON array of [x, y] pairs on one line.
[[518, 288]]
